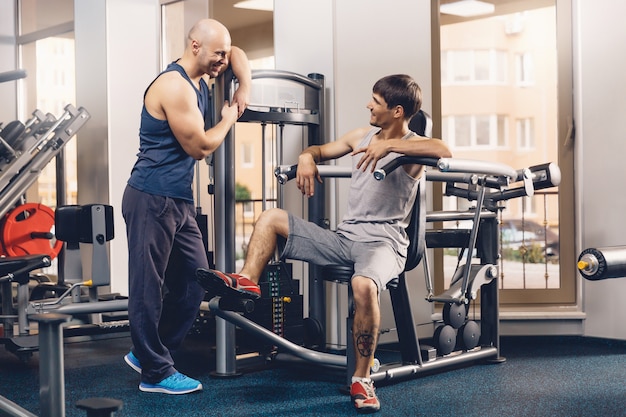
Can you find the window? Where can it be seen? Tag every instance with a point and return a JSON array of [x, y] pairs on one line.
[[484, 131], [524, 69], [46, 45], [248, 209], [247, 155], [539, 46], [481, 66], [525, 133]]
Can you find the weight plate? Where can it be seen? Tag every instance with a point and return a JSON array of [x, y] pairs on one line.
[[469, 335], [444, 339], [28, 229], [454, 314]]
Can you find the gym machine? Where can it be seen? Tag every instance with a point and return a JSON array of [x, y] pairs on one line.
[[458, 340], [284, 99], [75, 225], [33, 235]]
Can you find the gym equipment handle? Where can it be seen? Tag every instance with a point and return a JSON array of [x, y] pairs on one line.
[[285, 173], [381, 173], [41, 235]]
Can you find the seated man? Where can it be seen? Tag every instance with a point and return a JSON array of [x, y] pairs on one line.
[[371, 235]]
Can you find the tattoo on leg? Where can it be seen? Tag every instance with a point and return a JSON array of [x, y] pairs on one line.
[[365, 344]]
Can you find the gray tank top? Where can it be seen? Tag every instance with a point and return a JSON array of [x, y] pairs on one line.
[[379, 211]]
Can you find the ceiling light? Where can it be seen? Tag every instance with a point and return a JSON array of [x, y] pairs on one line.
[[265, 5], [467, 8]]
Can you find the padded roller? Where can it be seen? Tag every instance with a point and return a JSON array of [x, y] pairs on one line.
[[597, 264], [74, 223]]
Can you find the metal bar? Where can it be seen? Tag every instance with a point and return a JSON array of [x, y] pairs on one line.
[[286, 75], [224, 213], [13, 410], [260, 331], [12, 75], [83, 308], [406, 371]]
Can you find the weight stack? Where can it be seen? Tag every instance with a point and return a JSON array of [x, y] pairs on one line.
[[280, 308]]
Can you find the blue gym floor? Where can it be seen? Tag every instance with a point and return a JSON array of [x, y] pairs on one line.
[[542, 376]]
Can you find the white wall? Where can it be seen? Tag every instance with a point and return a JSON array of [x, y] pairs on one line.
[[133, 62], [600, 100], [117, 56]]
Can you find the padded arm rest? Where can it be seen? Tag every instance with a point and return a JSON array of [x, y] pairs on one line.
[[285, 173], [381, 173], [476, 167]]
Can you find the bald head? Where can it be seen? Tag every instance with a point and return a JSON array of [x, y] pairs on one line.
[[208, 49], [208, 29]]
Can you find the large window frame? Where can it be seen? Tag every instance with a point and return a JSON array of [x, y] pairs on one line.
[[567, 293]]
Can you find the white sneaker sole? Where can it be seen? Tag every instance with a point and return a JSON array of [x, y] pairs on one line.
[[167, 391], [132, 365]]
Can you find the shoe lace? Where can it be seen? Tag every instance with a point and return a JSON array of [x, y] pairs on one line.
[[369, 389]]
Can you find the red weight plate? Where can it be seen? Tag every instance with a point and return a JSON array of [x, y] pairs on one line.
[[29, 230]]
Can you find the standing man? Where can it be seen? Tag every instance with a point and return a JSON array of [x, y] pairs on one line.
[[372, 233], [164, 242]]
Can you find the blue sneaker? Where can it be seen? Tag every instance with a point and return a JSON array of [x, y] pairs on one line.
[[173, 384], [133, 362]]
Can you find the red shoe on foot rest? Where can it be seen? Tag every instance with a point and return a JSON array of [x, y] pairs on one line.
[[227, 285]]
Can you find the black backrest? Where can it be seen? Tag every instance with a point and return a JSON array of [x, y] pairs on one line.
[[421, 124], [417, 228]]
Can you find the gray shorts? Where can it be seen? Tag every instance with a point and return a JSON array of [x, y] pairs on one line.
[[311, 243]]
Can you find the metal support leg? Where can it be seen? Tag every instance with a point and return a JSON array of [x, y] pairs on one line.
[[226, 355], [51, 373], [22, 302]]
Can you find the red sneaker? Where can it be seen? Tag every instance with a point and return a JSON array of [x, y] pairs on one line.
[[227, 284], [364, 397]]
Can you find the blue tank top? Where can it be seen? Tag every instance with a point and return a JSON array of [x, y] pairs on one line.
[[162, 166], [379, 211]]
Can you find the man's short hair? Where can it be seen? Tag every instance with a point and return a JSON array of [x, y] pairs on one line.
[[400, 90]]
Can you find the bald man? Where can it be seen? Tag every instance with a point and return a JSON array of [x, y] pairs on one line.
[[165, 245]]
